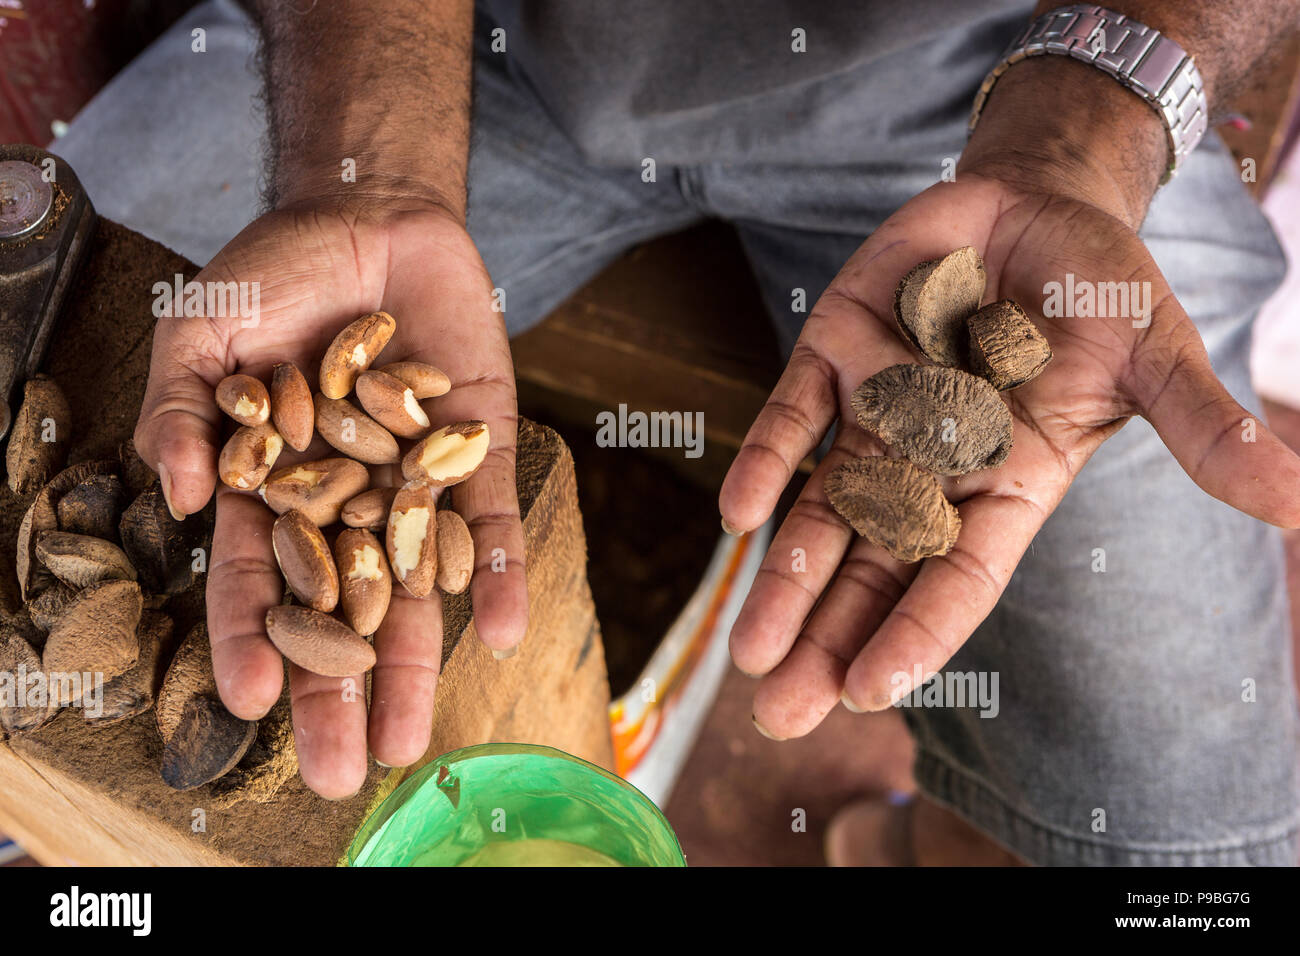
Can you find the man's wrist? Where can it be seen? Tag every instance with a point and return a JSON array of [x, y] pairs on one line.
[[1059, 126]]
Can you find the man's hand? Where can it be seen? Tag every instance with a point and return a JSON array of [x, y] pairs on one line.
[[320, 269], [855, 618]]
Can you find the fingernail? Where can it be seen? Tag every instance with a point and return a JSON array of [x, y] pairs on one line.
[[165, 479], [730, 530], [850, 706], [763, 730], [505, 655]]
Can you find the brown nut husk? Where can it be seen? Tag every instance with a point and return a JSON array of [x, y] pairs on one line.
[[41, 516], [162, 549], [47, 607], [425, 381], [25, 703], [392, 403], [352, 352], [305, 560], [134, 691], [39, 436], [1005, 346], [201, 739], [244, 399], [943, 419], [136, 473], [369, 509], [316, 488], [93, 507], [455, 552], [96, 634], [364, 581], [208, 742], [449, 455], [317, 642], [292, 410], [79, 560], [189, 674], [933, 300], [411, 538], [893, 503], [249, 456], [353, 432]]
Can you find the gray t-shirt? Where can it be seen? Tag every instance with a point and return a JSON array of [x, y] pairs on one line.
[[696, 81]]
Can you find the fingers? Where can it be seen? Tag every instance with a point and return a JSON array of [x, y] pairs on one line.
[[408, 652], [800, 562], [489, 503], [788, 428], [1225, 449], [795, 697], [946, 602], [177, 432], [329, 731], [243, 581]]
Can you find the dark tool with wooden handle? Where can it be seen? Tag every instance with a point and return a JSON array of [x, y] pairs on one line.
[[45, 225]]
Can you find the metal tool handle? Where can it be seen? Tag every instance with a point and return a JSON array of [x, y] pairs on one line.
[[46, 221]]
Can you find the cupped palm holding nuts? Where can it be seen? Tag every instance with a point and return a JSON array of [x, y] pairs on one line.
[[342, 579], [942, 419]]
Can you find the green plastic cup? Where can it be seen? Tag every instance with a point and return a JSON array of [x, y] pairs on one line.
[[515, 805]]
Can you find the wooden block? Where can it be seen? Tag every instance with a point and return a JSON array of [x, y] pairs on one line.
[[78, 794]]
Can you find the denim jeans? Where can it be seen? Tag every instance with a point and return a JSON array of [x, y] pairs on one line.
[[1125, 732]]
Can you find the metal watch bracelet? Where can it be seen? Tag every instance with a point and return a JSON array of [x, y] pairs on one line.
[[1142, 59]]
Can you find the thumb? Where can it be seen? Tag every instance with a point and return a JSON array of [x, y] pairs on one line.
[[1225, 449], [177, 432]]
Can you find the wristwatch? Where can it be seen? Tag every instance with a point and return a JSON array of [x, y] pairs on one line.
[[1142, 59]]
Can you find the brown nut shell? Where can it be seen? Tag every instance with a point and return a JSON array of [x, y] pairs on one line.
[[292, 410], [47, 607], [317, 642], [411, 538], [392, 403], [134, 691], [249, 455], [41, 516], [932, 302], [95, 634], [353, 432], [188, 674], [455, 552], [1005, 346], [369, 509], [93, 507], [38, 436], [449, 455], [426, 381], [352, 351], [305, 560], [244, 399], [79, 560], [943, 419], [23, 708], [894, 504], [365, 584], [316, 488], [208, 742]]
